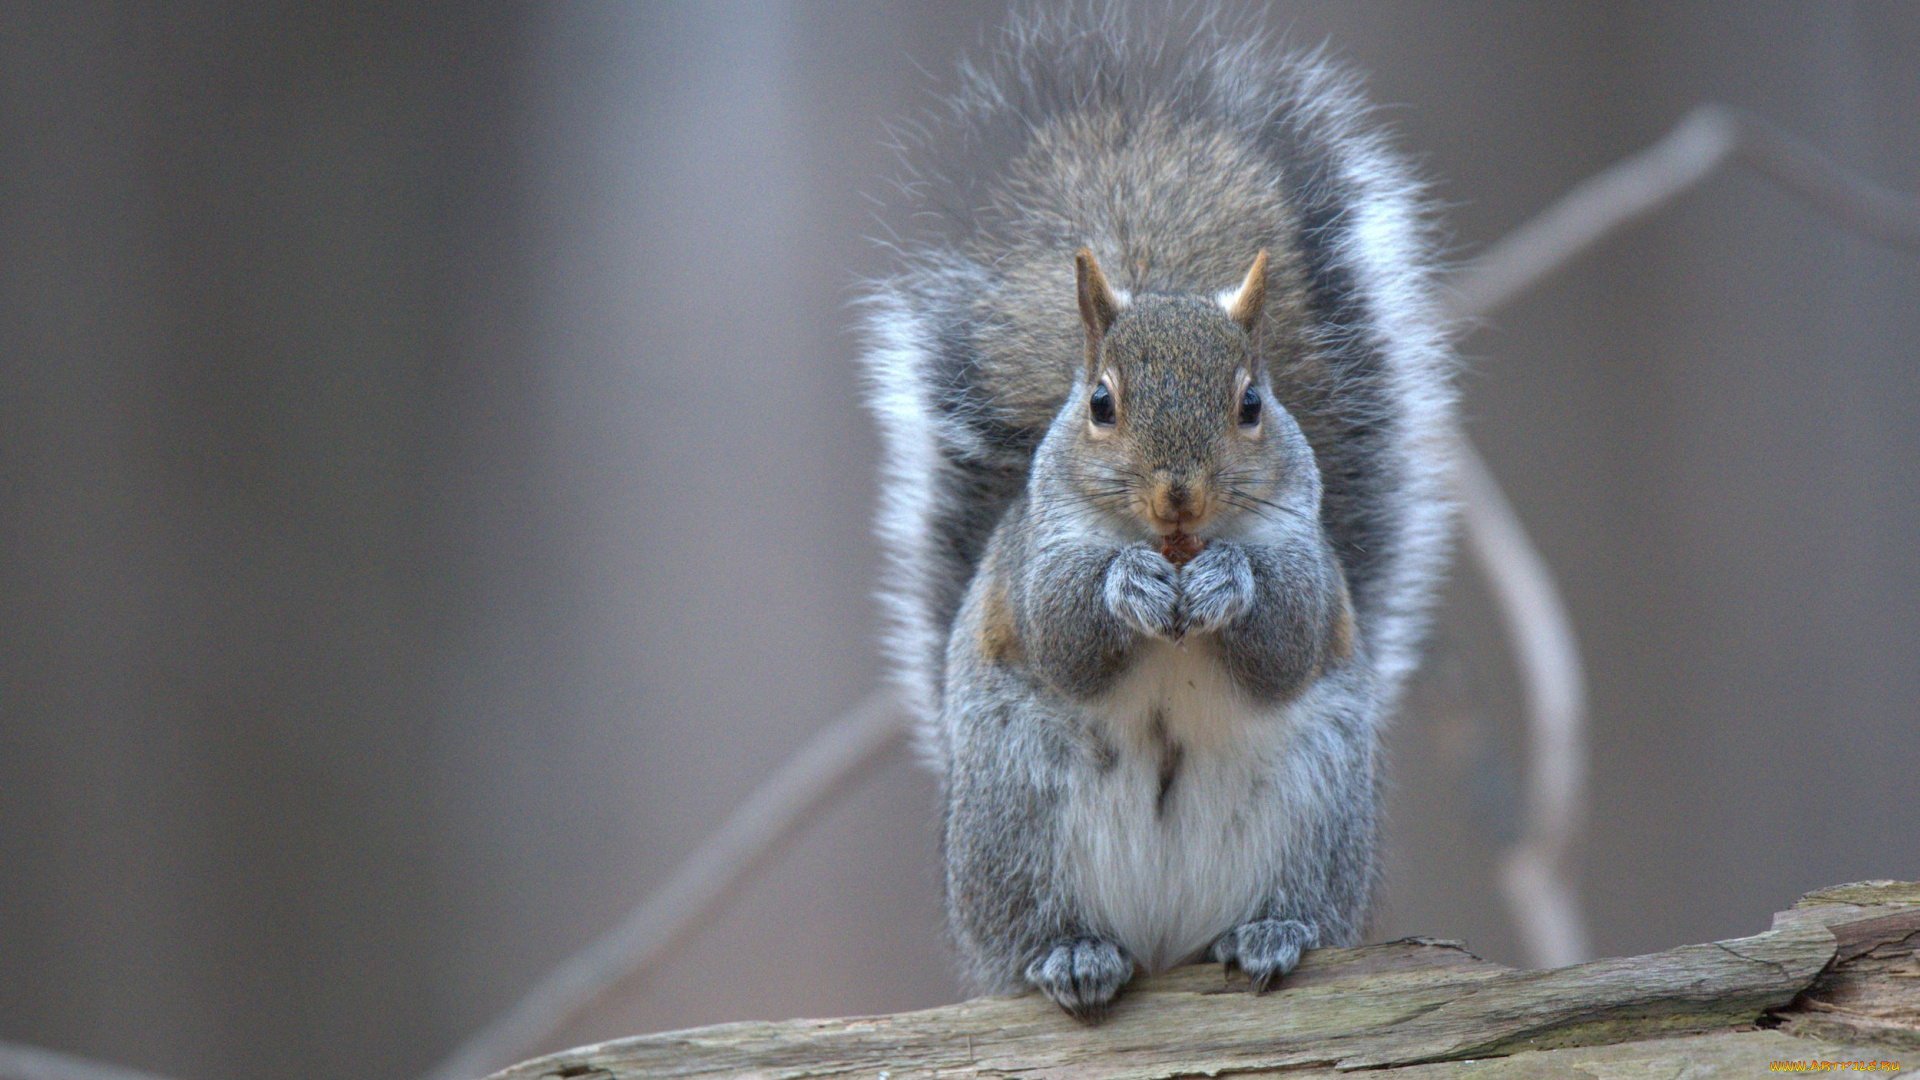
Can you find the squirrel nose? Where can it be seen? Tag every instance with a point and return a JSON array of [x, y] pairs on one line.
[[1177, 504]]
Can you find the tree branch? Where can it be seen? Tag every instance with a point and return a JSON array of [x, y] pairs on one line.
[[1427, 1007], [1705, 139], [1543, 903]]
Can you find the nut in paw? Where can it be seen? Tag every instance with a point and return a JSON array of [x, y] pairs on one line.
[[1179, 548]]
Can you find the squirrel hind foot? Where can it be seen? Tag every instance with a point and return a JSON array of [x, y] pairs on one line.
[[1265, 949], [1082, 975]]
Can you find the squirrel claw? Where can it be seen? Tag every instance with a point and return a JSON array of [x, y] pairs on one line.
[[1265, 949], [1082, 975]]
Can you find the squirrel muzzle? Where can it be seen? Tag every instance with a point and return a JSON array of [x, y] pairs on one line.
[[1178, 504]]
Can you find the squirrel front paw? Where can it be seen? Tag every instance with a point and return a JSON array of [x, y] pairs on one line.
[[1265, 949], [1082, 975], [1216, 587], [1143, 591]]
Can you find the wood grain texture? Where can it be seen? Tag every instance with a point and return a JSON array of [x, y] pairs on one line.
[[1836, 979], [1746, 1055], [1871, 991]]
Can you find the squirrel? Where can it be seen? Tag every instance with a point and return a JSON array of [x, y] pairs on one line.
[[1164, 395]]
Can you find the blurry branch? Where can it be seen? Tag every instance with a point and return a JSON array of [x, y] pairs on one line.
[[31, 1063], [794, 796], [1533, 874], [1534, 871], [1534, 878], [1707, 138]]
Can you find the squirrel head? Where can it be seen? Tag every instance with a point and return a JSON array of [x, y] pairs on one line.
[[1173, 421]]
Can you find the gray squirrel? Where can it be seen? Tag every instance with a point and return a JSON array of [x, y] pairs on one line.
[[1164, 396]]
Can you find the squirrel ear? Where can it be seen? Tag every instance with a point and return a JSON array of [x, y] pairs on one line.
[[1244, 306], [1098, 306]]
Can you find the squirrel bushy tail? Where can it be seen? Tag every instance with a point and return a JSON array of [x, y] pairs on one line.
[[1173, 153]]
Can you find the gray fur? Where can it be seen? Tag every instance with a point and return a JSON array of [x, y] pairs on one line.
[[1265, 949], [1142, 590], [1083, 974], [1144, 764]]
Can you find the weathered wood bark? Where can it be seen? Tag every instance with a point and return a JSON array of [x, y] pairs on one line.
[[1835, 979]]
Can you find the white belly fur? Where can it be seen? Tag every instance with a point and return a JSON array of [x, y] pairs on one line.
[[1165, 885]]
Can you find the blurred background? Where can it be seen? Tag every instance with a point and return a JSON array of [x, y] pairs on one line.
[[413, 539]]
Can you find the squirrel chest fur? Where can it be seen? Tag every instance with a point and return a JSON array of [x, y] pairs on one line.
[[1165, 403], [1161, 835]]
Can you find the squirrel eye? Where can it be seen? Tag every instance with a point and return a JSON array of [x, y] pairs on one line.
[[1101, 405], [1249, 407]]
